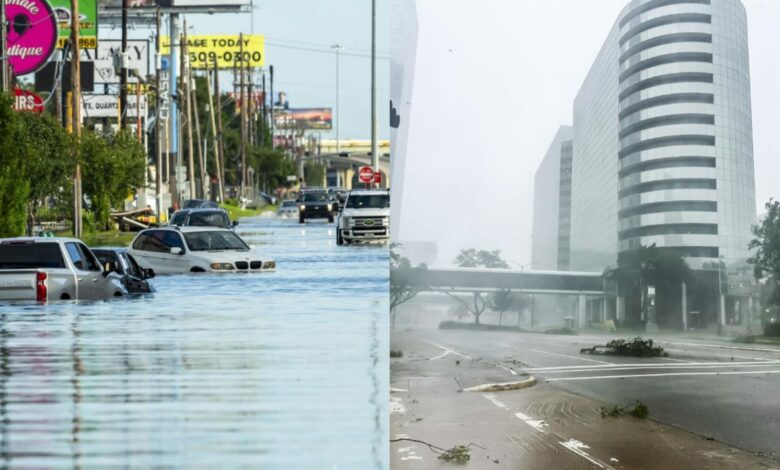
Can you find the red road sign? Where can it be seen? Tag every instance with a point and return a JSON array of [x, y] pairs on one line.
[[27, 101], [366, 174], [377, 177]]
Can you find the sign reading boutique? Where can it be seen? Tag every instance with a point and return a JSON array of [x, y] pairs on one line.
[[107, 106], [32, 34]]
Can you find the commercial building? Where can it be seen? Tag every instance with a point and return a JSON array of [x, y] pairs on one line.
[[663, 152], [552, 205]]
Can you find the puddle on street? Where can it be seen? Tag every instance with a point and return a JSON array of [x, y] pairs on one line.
[[279, 370]]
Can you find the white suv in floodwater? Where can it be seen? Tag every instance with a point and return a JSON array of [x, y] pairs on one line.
[[365, 217], [171, 250]]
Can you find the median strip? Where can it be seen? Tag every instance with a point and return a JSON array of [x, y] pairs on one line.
[[503, 387]]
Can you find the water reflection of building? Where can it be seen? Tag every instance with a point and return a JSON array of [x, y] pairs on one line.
[[663, 154]]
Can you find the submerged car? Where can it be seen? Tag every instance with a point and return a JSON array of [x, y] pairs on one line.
[[288, 208], [47, 268], [173, 250], [134, 278], [202, 218]]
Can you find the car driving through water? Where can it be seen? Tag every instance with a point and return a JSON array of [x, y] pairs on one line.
[[366, 217], [172, 250]]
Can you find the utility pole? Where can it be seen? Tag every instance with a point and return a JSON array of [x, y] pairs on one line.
[[264, 113], [201, 159], [214, 134], [157, 126], [220, 135], [185, 75], [338, 48], [243, 114], [123, 67], [173, 125], [3, 47], [273, 124], [374, 146], [76, 113]]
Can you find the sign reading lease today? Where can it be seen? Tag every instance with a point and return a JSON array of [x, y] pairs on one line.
[[224, 49]]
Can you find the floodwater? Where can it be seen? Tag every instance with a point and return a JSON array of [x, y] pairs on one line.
[[283, 370]]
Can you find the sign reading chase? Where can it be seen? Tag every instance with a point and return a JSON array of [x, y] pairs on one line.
[[32, 34]]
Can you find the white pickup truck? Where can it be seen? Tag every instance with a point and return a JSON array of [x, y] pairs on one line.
[[365, 217], [43, 269]]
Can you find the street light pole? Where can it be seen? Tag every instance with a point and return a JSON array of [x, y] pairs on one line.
[[338, 48], [76, 112], [3, 39], [374, 147]]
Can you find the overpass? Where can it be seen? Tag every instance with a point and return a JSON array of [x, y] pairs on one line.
[[587, 286], [346, 165]]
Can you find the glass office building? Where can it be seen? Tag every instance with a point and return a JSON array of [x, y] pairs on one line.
[[552, 205], [663, 137], [663, 150]]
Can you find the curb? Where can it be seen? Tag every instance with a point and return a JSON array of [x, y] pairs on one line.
[[503, 387]]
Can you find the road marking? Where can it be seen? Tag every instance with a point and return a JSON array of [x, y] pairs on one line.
[[492, 399], [506, 369], [675, 360], [445, 353], [571, 357], [660, 367], [448, 351], [646, 365], [723, 346], [669, 374], [397, 406], [577, 447], [720, 355], [537, 424]]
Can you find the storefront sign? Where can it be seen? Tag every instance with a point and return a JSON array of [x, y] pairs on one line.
[[224, 49], [32, 34]]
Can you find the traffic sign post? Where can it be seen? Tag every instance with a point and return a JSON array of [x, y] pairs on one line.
[[366, 175]]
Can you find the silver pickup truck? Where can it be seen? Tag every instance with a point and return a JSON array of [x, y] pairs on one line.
[[43, 269]]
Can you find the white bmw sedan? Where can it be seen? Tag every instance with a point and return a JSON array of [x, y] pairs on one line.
[[172, 250]]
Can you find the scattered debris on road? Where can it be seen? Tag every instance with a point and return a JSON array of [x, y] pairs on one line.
[[636, 347], [636, 409], [396, 353]]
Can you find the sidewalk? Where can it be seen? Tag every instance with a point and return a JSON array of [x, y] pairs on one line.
[[540, 427]]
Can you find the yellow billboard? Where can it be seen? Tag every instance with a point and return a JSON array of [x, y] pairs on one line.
[[225, 49]]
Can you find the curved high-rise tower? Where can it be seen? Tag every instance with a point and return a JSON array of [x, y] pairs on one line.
[[663, 148]]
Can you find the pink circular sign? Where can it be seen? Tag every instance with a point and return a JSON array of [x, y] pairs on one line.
[[32, 34]]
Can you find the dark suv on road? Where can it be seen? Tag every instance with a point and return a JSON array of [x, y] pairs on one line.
[[316, 204], [202, 218]]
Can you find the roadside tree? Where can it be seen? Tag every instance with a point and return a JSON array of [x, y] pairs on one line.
[[766, 258], [14, 188], [403, 285], [479, 301], [112, 167], [643, 267]]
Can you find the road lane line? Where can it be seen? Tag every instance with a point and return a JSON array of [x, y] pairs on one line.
[[670, 374], [577, 447], [688, 351], [506, 369], [570, 357], [445, 353], [662, 367], [492, 399], [444, 348], [722, 346], [675, 360], [650, 365], [537, 424]]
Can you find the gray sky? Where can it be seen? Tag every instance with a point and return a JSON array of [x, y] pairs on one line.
[[299, 34], [492, 86]]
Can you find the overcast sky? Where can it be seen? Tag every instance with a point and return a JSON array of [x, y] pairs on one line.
[[494, 82]]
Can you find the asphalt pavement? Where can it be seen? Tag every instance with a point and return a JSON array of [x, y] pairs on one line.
[[713, 404]]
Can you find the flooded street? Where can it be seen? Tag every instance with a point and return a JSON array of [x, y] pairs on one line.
[[280, 370]]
